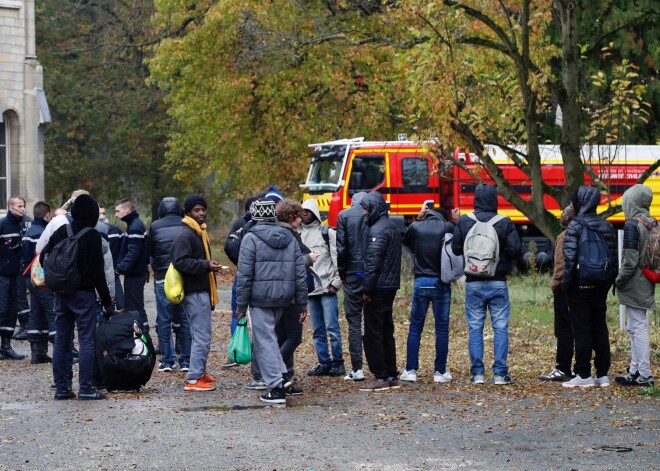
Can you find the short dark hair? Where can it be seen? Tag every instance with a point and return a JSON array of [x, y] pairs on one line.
[[288, 210], [125, 202], [40, 209]]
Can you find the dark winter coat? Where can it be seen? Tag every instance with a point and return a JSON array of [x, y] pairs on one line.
[[271, 271], [30, 241], [115, 237], [189, 257], [133, 256], [352, 233], [485, 208], [426, 240], [162, 234], [10, 245], [382, 258], [233, 243], [588, 198]]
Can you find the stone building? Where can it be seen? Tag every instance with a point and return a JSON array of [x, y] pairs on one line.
[[23, 106]]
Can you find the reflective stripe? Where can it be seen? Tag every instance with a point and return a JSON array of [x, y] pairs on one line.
[[30, 239], [10, 329], [24, 311], [136, 236], [51, 334], [9, 236], [34, 331], [175, 325], [160, 282], [115, 236]]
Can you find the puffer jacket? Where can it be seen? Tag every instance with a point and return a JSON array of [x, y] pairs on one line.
[[271, 271], [426, 240], [351, 238], [633, 289], [133, 257], [485, 208], [588, 198], [326, 265], [10, 245], [162, 234], [382, 257]]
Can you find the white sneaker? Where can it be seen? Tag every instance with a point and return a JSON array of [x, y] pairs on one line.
[[581, 382], [408, 375], [442, 377], [354, 376], [603, 381]]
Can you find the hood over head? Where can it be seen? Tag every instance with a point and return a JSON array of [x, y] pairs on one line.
[[358, 197], [169, 205], [485, 198], [636, 201], [585, 200], [85, 209], [313, 206], [273, 235], [375, 205]]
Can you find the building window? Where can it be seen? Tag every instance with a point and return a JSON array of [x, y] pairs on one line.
[[415, 171], [4, 154]]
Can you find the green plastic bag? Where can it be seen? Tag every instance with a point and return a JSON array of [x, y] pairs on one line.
[[240, 347]]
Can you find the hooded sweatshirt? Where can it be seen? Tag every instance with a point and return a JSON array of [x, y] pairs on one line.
[[633, 289], [351, 238]]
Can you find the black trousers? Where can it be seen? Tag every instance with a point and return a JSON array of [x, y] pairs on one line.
[[588, 310], [353, 311], [379, 343], [134, 297], [289, 332], [563, 334]]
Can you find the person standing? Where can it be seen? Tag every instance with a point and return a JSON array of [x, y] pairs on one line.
[[162, 234], [10, 269], [426, 239], [22, 299], [323, 301], [271, 278], [351, 242], [191, 255], [563, 330], [488, 294], [78, 309], [634, 291], [587, 300], [132, 262], [114, 236], [382, 274]]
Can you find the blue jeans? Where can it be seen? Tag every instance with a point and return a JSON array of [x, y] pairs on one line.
[[234, 307], [166, 313], [324, 313], [494, 296], [426, 292]]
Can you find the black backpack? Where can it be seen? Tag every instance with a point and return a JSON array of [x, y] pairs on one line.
[[61, 263], [594, 263]]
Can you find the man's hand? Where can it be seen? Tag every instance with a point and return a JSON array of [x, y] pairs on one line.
[[366, 298], [303, 316], [314, 256], [332, 290], [455, 214], [214, 266], [422, 213], [240, 315]]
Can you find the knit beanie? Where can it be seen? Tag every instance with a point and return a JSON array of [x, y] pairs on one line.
[[191, 201], [263, 210], [86, 210]]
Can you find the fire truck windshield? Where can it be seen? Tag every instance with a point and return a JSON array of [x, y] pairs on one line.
[[326, 169]]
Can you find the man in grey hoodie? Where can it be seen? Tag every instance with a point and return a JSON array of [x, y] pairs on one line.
[[634, 291]]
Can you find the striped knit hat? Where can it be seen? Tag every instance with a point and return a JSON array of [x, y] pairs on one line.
[[263, 210]]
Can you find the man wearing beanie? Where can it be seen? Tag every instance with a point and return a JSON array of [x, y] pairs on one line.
[[79, 308], [191, 255], [271, 277]]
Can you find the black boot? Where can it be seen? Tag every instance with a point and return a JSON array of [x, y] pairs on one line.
[[20, 334], [6, 352], [40, 352]]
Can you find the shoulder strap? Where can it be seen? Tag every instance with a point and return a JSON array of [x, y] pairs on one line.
[[69, 230], [646, 224], [472, 216], [82, 232], [325, 232], [495, 219]]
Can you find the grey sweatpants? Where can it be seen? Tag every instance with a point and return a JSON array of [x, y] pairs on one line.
[[197, 308], [266, 349], [640, 351]]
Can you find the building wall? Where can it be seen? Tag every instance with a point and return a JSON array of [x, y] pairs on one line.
[[21, 79]]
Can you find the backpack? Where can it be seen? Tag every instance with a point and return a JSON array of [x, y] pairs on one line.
[[651, 261], [481, 248], [451, 265], [61, 264], [593, 263]]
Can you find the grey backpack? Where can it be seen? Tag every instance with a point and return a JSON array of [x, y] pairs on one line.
[[481, 248], [451, 265]]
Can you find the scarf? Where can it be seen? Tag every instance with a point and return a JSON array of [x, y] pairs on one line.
[[201, 231]]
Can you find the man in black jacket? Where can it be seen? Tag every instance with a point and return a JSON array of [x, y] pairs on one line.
[[132, 263], [10, 269], [426, 239], [382, 275], [587, 302], [162, 234], [492, 293], [79, 308], [351, 241]]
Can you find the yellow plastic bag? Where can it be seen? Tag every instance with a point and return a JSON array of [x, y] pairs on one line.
[[174, 285]]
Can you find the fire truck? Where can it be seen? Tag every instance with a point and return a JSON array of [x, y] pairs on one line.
[[409, 173]]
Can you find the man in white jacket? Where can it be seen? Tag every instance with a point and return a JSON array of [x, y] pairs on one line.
[[323, 307]]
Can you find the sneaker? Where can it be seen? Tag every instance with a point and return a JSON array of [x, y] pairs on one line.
[[256, 385], [91, 396], [442, 377], [208, 379], [184, 367], [355, 376], [376, 385], [229, 364], [337, 370], [603, 381], [554, 375], [499, 380], [629, 379], [164, 366], [408, 375], [578, 381], [320, 370], [294, 392], [395, 383], [198, 385], [275, 396], [478, 379], [64, 395], [645, 381]]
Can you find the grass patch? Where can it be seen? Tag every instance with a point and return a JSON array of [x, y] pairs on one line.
[[650, 392]]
